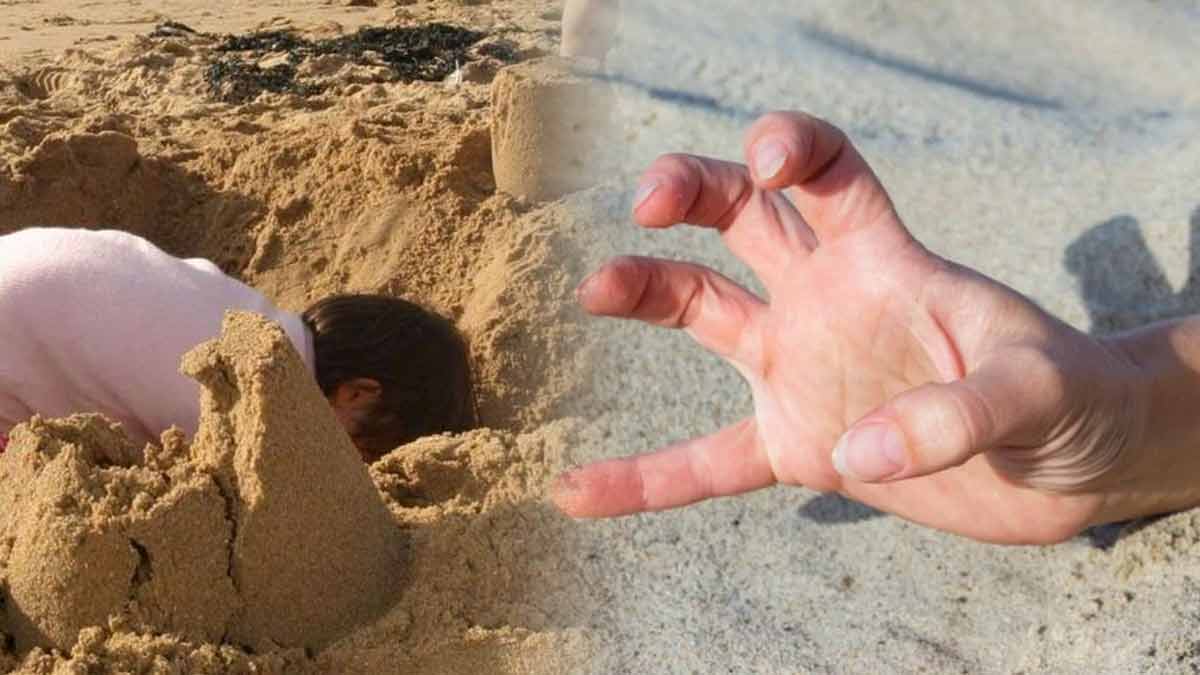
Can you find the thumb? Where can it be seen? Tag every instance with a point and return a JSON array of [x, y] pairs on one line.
[[942, 425]]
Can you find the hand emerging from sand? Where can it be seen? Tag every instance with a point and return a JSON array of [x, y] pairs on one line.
[[878, 369]]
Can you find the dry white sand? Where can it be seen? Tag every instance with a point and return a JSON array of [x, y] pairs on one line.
[[1048, 144]]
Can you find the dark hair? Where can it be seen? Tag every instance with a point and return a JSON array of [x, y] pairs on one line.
[[418, 357]]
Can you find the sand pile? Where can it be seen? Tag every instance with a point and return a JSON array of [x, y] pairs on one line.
[[265, 538], [88, 535], [293, 481], [187, 540], [370, 184]]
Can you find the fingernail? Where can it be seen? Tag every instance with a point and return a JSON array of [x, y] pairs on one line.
[[643, 193], [566, 487], [769, 158], [870, 452], [585, 286]]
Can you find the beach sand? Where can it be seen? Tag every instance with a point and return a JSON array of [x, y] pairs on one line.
[[1055, 146], [216, 555]]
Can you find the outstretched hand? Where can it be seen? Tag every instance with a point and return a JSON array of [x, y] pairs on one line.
[[878, 369]]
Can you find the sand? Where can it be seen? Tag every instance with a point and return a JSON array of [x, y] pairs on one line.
[[262, 545], [551, 126], [1052, 145], [186, 540]]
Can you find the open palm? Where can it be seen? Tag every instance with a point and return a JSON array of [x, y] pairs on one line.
[[952, 400]]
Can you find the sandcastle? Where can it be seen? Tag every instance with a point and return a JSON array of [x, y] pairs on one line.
[[550, 122], [219, 541]]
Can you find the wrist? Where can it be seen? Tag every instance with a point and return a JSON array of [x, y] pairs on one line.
[[1162, 471]]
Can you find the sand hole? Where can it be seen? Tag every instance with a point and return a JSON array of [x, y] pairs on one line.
[[102, 181]]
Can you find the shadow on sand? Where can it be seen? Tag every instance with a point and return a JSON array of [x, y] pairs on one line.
[[1122, 285]]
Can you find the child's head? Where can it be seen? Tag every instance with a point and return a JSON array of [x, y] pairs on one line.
[[392, 370]]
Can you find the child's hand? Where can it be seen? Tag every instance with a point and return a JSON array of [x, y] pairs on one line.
[[958, 403]]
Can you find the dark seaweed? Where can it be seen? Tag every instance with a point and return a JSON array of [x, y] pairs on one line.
[[235, 81], [428, 53], [172, 29]]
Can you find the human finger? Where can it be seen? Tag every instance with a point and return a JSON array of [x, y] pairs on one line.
[[718, 313], [938, 426], [827, 179], [760, 227], [726, 463]]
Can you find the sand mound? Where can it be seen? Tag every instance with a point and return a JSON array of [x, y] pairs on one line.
[[293, 481], [84, 534], [492, 562], [266, 532], [188, 542]]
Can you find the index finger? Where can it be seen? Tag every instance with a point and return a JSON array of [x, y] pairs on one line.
[[726, 463], [759, 226], [826, 177]]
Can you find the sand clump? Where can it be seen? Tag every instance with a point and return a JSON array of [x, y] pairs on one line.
[[187, 541], [81, 534]]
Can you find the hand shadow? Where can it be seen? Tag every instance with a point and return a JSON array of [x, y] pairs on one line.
[[1124, 287], [835, 509]]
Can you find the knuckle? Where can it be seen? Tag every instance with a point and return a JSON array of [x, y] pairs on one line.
[[691, 299], [621, 284], [673, 164], [976, 417]]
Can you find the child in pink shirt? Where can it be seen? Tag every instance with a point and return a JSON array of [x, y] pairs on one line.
[[97, 321]]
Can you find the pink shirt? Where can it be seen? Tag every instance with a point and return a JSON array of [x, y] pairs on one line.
[[98, 321]]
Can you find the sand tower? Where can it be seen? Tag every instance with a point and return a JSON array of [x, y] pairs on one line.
[[267, 531], [551, 128]]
